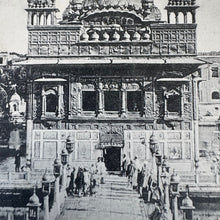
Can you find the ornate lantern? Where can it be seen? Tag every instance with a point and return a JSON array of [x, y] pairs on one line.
[[187, 206], [69, 144], [33, 207], [174, 183], [45, 184], [158, 158], [57, 167], [64, 157], [153, 144]]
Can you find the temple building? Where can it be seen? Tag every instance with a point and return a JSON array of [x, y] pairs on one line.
[[107, 77]]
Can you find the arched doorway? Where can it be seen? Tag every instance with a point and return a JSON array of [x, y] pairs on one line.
[[112, 158]]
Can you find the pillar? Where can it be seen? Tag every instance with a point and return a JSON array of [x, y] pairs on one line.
[[175, 208], [29, 119], [38, 18], [100, 97], [79, 106], [43, 102], [193, 17], [45, 18], [168, 17], [64, 184], [123, 100], [185, 18], [177, 17], [57, 194], [46, 208], [195, 120], [166, 197], [29, 18], [60, 100]]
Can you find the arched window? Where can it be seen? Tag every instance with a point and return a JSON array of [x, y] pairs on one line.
[[215, 95], [34, 19], [172, 18], [41, 22], [51, 101], [189, 18], [214, 71], [49, 19], [181, 18]]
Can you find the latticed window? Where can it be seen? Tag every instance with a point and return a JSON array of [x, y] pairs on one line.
[[216, 95], [214, 71], [134, 102], [89, 100], [111, 101]]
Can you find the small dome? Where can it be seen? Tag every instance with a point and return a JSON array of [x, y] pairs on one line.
[[105, 36], [116, 36], [34, 200], [84, 37], [94, 36], [69, 139], [146, 36], [126, 36], [187, 202], [64, 151], [175, 178], [45, 177], [57, 161], [136, 36], [15, 98]]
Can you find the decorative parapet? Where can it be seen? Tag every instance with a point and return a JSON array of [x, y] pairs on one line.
[[66, 40]]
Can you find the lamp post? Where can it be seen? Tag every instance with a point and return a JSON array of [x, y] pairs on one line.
[[33, 207], [174, 185], [156, 155], [165, 178], [56, 173], [46, 191], [187, 207], [64, 159]]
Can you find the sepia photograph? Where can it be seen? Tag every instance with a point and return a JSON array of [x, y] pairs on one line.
[[109, 110]]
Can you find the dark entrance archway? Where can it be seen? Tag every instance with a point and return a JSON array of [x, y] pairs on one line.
[[112, 157]]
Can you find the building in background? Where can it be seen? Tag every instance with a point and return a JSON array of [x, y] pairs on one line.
[[108, 76], [209, 112]]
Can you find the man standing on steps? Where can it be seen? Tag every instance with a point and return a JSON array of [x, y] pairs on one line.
[[17, 161], [124, 165], [130, 173]]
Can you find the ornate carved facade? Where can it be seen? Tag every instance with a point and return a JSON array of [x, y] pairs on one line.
[[108, 75]]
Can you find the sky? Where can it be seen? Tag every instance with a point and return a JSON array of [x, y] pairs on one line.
[[14, 36]]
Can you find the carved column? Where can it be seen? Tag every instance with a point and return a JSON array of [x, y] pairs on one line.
[[123, 100], [168, 17], [38, 18], [193, 17], [148, 102], [79, 105], [185, 18], [60, 101], [43, 102], [29, 119], [195, 119], [29, 18], [100, 96], [45, 18], [177, 17]]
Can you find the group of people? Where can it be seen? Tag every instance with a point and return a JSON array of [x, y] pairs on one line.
[[143, 178], [84, 181]]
